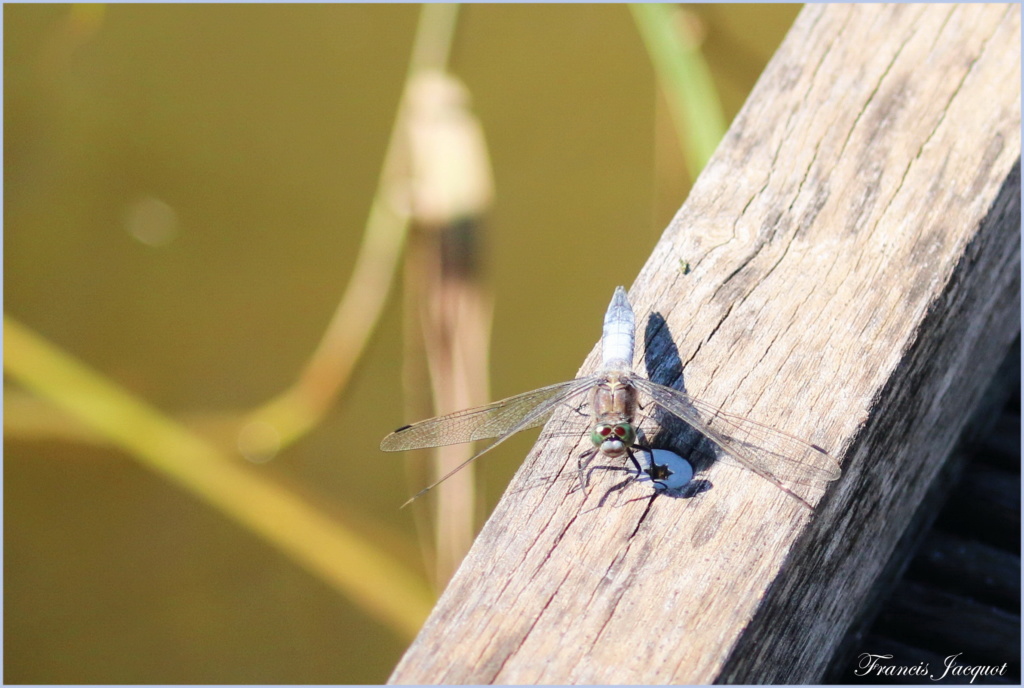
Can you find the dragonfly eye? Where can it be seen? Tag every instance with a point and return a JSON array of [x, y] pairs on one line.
[[600, 433], [625, 432]]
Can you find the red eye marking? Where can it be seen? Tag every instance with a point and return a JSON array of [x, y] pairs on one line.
[[604, 431], [620, 431]]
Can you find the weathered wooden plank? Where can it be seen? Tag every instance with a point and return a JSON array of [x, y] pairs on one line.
[[960, 565], [929, 616], [854, 255]]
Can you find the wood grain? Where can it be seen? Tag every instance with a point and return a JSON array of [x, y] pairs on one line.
[[854, 254]]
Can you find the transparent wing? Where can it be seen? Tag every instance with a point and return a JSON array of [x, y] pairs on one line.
[[773, 455], [500, 419]]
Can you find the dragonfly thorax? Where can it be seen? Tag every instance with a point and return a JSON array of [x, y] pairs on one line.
[[614, 404]]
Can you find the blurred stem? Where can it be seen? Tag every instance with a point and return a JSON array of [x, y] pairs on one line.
[[285, 418], [27, 417], [358, 569], [447, 312], [685, 80]]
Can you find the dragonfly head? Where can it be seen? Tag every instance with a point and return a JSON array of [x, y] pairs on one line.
[[613, 439]]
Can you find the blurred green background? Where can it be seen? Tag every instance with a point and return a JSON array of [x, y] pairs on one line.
[[252, 138]]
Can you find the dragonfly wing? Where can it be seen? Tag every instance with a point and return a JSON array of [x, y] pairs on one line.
[[772, 454], [505, 417]]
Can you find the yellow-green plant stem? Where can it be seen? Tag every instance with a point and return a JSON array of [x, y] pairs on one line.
[[298, 409], [381, 586], [685, 80]]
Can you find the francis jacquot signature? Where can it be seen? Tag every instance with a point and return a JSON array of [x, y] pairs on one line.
[[882, 665]]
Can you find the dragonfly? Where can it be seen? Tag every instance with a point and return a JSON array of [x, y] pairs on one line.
[[614, 392]]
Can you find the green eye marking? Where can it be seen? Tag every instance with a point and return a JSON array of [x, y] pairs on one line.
[[622, 432]]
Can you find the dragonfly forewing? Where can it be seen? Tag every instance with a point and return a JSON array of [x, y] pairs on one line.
[[770, 453], [500, 419], [775, 456]]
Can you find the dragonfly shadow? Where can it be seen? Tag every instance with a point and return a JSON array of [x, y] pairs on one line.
[[687, 491], [665, 367]]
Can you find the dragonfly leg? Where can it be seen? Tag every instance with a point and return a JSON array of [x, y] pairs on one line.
[[657, 472], [581, 461], [632, 457]]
